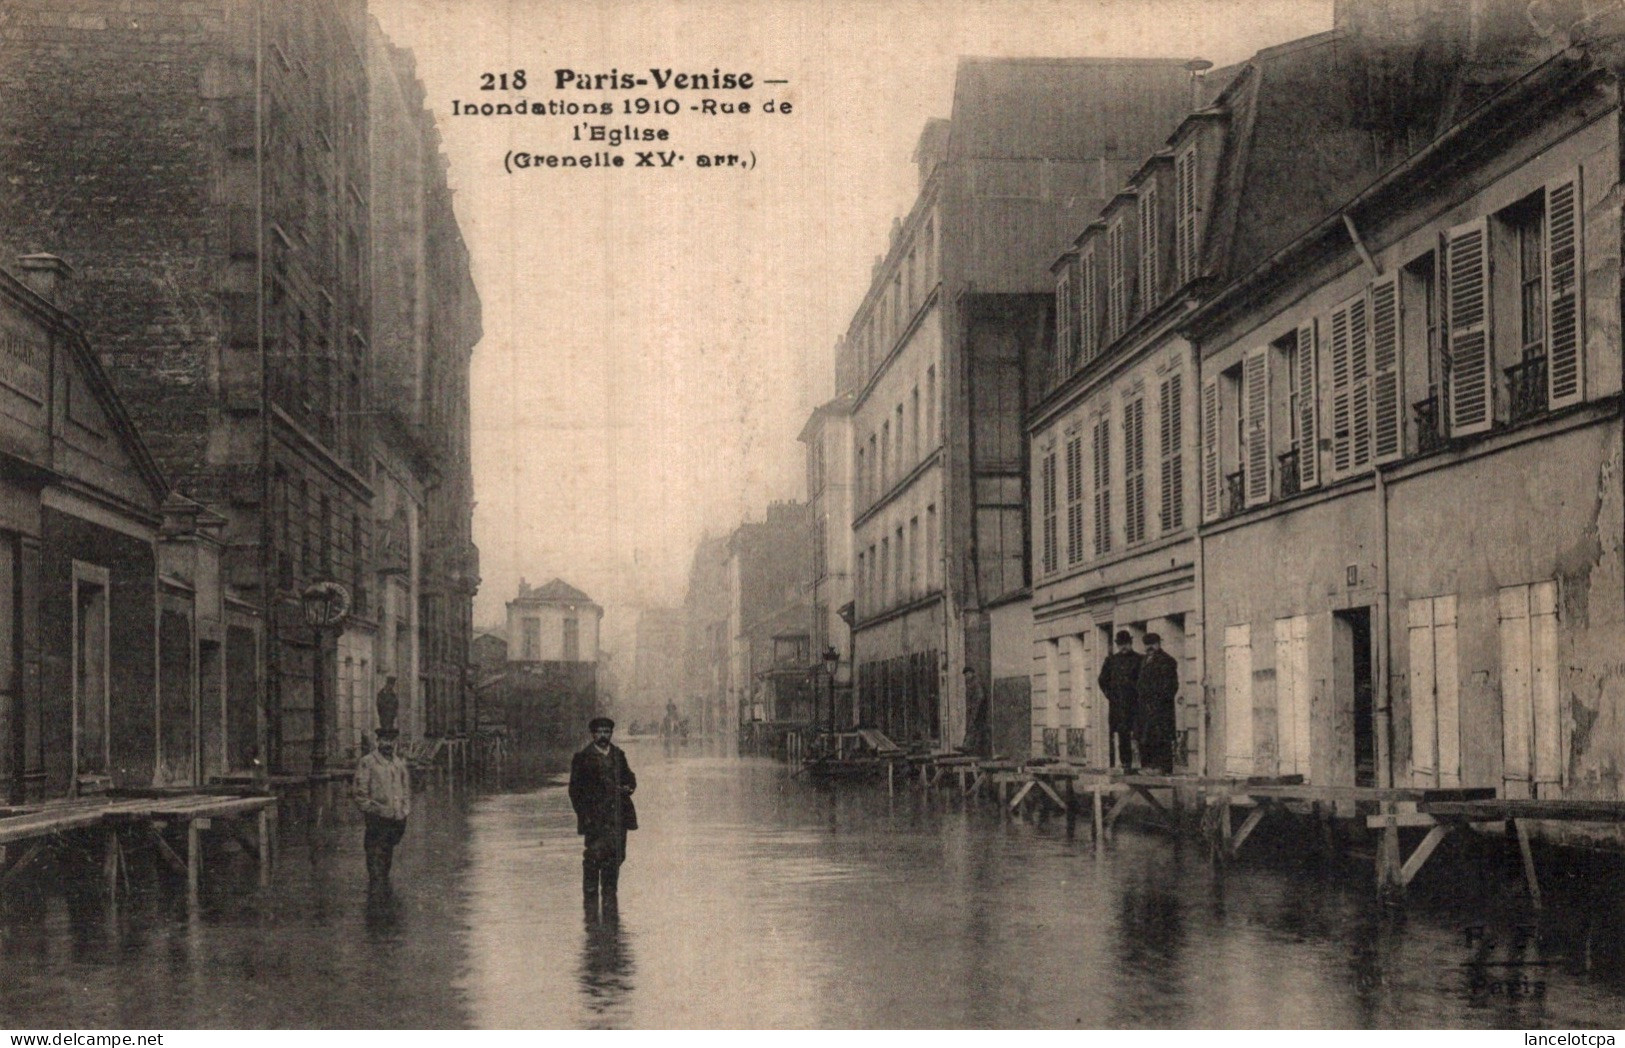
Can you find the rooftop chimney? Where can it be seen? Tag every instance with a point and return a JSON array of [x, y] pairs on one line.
[[45, 274]]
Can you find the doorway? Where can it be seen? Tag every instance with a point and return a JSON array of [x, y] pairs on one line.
[[92, 741], [1355, 693]]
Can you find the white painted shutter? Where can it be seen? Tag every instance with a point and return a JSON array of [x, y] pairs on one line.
[[1210, 449], [1065, 359], [1238, 700], [1103, 486], [1286, 733], [1308, 408], [1150, 249], [1360, 381], [1517, 714], [1545, 697], [1342, 445], [1302, 719], [1565, 331], [1471, 361], [1387, 409], [1256, 395], [1446, 691], [1171, 428], [1424, 716]]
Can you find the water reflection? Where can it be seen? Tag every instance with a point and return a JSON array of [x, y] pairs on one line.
[[606, 969]]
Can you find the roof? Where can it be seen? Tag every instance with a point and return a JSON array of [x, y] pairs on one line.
[[555, 592], [841, 405], [1061, 108]]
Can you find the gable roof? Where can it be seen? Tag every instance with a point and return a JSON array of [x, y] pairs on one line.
[[555, 592]]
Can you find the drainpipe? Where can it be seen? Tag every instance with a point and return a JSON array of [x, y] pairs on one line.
[[1381, 697], [262, 726]]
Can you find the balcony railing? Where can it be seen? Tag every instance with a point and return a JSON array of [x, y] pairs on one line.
[[1526, 388], [1077, 745], [1052, 742], [1286, 467], [1429, 431], [1235, 493]]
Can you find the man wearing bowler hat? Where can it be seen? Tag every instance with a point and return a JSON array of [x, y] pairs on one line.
[[601, 785], [383, 792]]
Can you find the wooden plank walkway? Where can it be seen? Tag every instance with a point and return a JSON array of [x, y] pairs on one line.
[[27, 831]]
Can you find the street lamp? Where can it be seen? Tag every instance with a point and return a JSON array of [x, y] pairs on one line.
[[832, 660], [325, 604]]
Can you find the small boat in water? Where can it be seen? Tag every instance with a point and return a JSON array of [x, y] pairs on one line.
[[856, 754]]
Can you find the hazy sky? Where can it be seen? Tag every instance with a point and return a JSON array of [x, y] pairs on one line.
[[654, 339]]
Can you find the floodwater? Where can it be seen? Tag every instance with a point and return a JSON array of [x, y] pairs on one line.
[[753, 899]]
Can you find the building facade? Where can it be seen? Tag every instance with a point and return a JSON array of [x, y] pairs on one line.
[[219, 212], [828, 437], [956, 315]]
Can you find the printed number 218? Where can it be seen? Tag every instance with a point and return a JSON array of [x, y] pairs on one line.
[[503, 81]]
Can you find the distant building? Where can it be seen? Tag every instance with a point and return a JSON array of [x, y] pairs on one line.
[[705, 640], [548, 688], [657, 669], [766, 572], [828, 437], [942, 355]]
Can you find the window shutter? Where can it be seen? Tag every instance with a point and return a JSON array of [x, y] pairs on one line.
[[1256, 395], [1470, 359], [1116, 281], [1238, 700], [1564, 269], [1088, 318], [1546, 700], [1517, 715], [1424, 744], [1308, 408], [1172, 431], [1210, 449], [1185, 216], [1064, 361], [1103, 486], [1360, 381], [1386, 410], [1342, 447], [1150, 248], [1074, 500], [1446, 691], [1134, 470]]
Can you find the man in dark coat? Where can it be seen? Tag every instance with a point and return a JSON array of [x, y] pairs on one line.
[[1119, 682], [601, 785], [1157, 688]]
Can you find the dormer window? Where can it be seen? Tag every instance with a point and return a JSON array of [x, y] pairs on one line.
[[1185, 209]]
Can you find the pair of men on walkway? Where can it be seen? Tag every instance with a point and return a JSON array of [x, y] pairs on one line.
[[1140, 691]]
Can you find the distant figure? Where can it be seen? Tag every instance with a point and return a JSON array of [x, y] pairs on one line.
[[1157, 688], [383, 792], [1120, 682], [601, 786], [388, 706]]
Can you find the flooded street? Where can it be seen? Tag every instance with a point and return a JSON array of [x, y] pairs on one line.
[[750, 899]]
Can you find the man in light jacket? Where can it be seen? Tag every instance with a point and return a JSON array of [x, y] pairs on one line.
[[383, 792]]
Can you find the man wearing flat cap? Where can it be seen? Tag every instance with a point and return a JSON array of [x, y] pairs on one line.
[[601, 785]]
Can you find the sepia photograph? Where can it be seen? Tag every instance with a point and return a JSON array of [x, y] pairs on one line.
[[875, 515]]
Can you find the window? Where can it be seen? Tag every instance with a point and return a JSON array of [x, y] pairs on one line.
[[1171, 452], [931, 553], [913, 555], [874, 470], [859, 591], [902, 463], [931, 434], [876, 574], [1531, 704], [1074, 499], [532, 645], [1185, 242], [1434, 691], [1088, 333], [1103, 490], [928, 248], [1117, 290], [914, 415], [863, 479], [913, 287], [898, 593], [885, 458], [885, 573], [1150, 247], [1134, 471], [1066, 331], [1047, 509], [572, 639], [899, 308]]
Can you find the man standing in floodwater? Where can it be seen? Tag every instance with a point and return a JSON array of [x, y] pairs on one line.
[[1119, 682], [383, 792], [601, 785]]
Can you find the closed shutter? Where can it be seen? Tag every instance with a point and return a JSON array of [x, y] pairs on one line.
[[1308, 407], [1134, 470], [1116, 281], [1171, 430], [1185, 246], [1387, 418], [1074, 500], [1088, 316], [1342, 443], [1434, 692], [1360, 381], [1150, 249], [1103, 486], [1543, 685], [1238, 700], [1210, 449], [1256, 396], [1564, 269], [1471, 361], [1517, 713], [1302, 720]]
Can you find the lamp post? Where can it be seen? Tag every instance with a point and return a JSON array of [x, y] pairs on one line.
[[832, 661], [325, 604]]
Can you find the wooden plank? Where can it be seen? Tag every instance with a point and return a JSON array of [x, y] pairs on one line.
[[1247, 826], [21, 862], [1407, 819], [1050, 790], [1021, 795], [1423, 851], [1528, 863], [1500, 810], [1367, 793], [194, 856], [1100, 824]]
